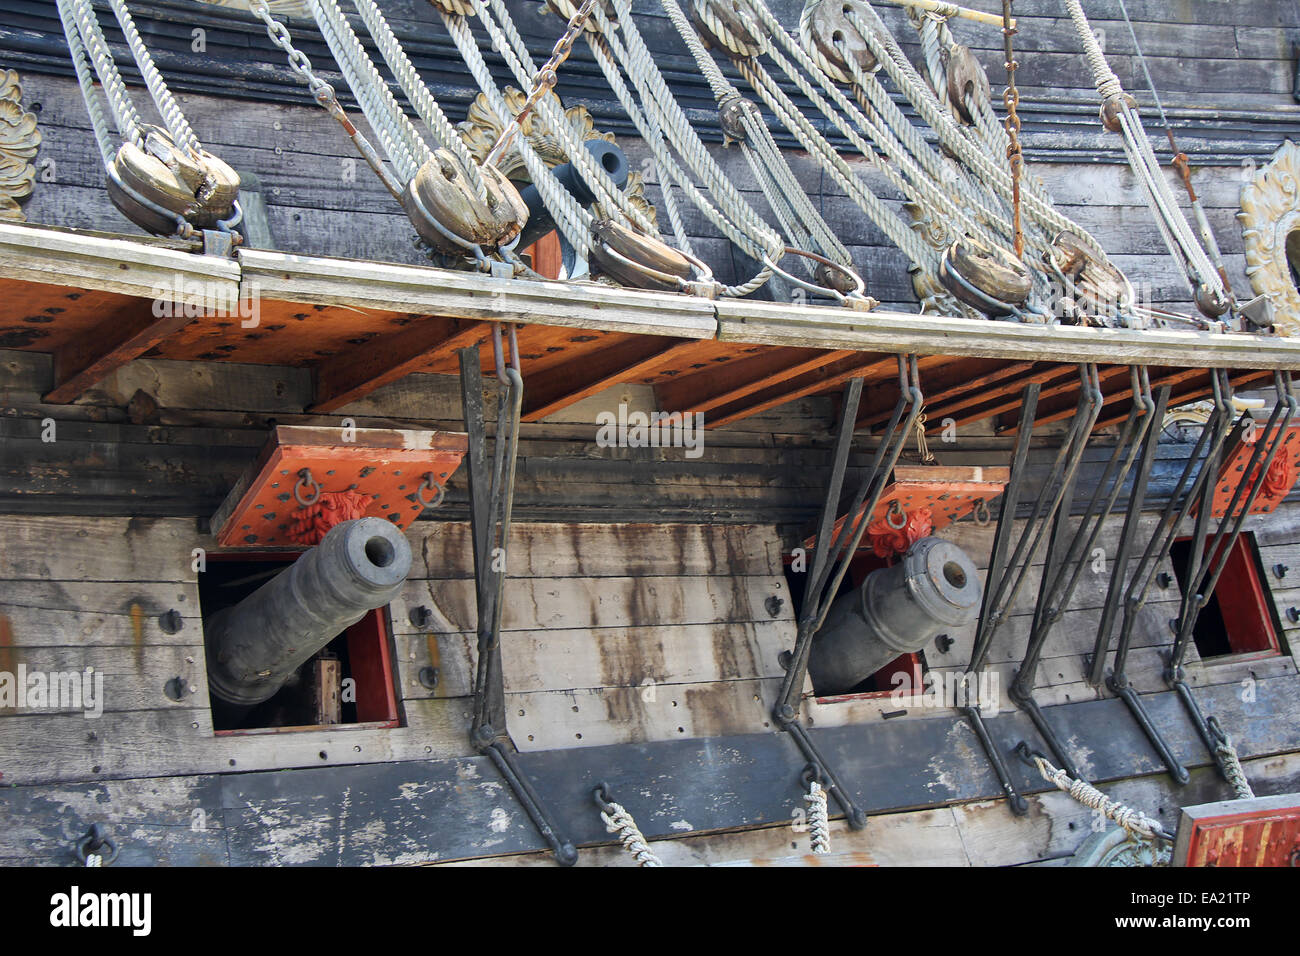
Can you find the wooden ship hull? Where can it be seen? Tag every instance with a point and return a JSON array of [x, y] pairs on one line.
[[653, 592]]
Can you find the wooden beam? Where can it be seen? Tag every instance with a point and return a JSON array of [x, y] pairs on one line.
[[1069, 386], [1002, 390], [1171, 379], [948, 393], [344, 378], [826, 379], [636, 357], [715, 387], [122, 337]]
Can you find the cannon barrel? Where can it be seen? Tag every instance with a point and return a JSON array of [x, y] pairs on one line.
[[897, 610], [254, 646], [608, 156]]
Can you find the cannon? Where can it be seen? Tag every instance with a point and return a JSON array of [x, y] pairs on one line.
[[897, 610], [608, 156], [255, 646]]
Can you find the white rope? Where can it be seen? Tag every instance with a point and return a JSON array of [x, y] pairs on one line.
[[86, 80], [417, 92], [507, 41], [168, 108], [1129, 818], [92, 37], [819, 825], [620, 821], [573, 221], [1174, 228], [1230, 761], [400, 140]]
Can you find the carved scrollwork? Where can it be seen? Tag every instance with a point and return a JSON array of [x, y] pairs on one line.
[[1270, 229], [482, 128], [19, 142]]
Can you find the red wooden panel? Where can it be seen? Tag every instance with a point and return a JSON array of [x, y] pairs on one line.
[[1281, 477], [387, 464], [372, 669], [1244, 602], [1262, 832]]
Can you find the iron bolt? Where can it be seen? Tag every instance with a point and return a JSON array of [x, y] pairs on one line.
[[1280, 570], [1293, 615], [773, 605], [1163, 579], [944, 643], [420, 616], [170, 621], [428, 677]]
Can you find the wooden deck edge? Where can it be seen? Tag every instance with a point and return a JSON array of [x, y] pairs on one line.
[[761, 323], [125, 266], [139, 268]]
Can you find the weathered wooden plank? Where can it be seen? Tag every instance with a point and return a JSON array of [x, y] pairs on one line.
[[63, 747], [103, 680], [96, 613], [548, 603], [110, 549], [587, 550]]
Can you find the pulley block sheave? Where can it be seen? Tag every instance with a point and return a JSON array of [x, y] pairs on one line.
[[967, 81], [158, 177], [827, 33], [448, 213], [633, 259], [721, 25], [1095, 288], [976, 275]]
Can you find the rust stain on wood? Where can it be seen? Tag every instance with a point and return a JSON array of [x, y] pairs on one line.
[[137, 634]]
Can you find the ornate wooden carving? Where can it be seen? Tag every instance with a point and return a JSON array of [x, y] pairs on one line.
[[1270, 226], [19, 141]]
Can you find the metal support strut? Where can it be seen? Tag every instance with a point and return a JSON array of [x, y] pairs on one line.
[[832, 555], [1193, 491], [491, 498]]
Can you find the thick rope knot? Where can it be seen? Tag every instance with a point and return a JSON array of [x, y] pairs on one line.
[[819, 825], [1128, 818], [620, 821], [1230, 762]]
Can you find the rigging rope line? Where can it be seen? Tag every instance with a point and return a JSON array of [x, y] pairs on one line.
[[160, 178], [1119, 114]]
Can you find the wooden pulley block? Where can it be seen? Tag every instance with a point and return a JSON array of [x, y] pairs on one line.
[[720, 26], [831, 278], [1099, 288], [966, 80], [440, 200], [1111, 110], [979, 266], [825, 30], [731, 117], [632, 259], [198, 187]]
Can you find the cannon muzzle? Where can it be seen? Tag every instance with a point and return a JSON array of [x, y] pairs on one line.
[[254, 646], [897, 610]]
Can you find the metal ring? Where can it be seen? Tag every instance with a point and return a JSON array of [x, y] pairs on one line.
[[896, 508], [859, 286], [683, 285], [980, 513], [601, 796], [92, 842], [429, 483], [305, 480], [811, 772]]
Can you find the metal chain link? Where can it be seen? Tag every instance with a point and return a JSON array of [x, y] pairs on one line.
[[1015, 157]]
